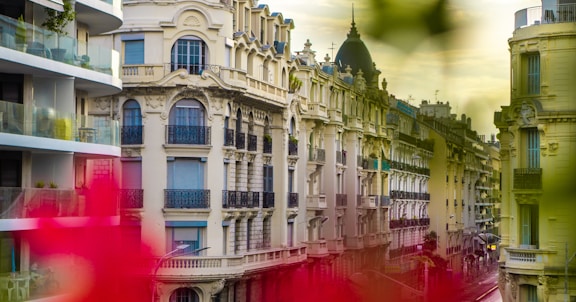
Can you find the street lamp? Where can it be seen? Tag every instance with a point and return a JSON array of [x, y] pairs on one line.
[[168, 256]]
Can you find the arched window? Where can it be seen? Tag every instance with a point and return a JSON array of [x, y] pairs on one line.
[[186, 123], [189, 53], [131, 123], [184, 295]]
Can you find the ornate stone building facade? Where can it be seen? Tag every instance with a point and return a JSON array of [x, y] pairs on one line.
[[537, 137]]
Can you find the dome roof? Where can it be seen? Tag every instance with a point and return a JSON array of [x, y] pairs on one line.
[[353, 52]]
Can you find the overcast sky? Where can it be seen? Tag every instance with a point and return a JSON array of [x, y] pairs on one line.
[[472, 72]]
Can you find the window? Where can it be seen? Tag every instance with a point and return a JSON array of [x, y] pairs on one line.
[[186, 123], [528, 293], [189, 53], [131, 123], [184, 235], [184, 295], [290, 234], [185, 173], [268, 179], [533, 68], [187, 113], [532, 148], [528, 225], [134, 52], [10, 169]]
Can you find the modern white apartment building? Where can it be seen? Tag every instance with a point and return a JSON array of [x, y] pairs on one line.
[[538, 137], [57, 130]]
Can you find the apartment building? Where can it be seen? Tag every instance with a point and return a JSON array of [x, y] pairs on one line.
[[537, 137], [58, 135]]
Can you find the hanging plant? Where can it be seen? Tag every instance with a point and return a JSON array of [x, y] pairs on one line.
[[56, 21], [295, 84]]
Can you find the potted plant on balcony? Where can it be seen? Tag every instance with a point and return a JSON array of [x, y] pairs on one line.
[[56, 21], [39, 184], [268, 138], [294, 84], [20, 36]]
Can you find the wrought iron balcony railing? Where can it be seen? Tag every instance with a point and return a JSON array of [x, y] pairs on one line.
[[528, 179], [252, 142], [292, 146], [186, 199], [228, 137], [267, 145], [240, 199], [131, 198], [268, 199], [292, 200], [341, 200], [131, 135], [193, 135], [240, 141]]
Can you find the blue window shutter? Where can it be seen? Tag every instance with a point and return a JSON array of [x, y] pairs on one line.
[[134, 52]]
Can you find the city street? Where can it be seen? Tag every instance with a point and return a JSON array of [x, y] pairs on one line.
[[482, 289]]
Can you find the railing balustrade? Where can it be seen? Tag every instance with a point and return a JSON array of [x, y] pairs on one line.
[[562, 13], [292, 147], [240, 140], [131, 135], [192, 135], [528, 178], [131, 198], [267, 146], [252, 142], [186, 199], [292, 200], [268, 199], [228, 137], [341, 200]]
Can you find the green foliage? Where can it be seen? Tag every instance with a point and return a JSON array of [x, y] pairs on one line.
[[268, 138], [293, 139], [53, 185], [21, 31], [56, 21], [39, 184], [294, 84], [430, 241]]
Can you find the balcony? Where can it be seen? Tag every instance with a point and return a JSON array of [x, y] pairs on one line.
[[354, 242], [240, 141], [392, 119], [528, 179], [131, 135], [371, 239], [191, 135], [228, 137], [369, 201], [316, 201], [532, 259], [318, 110], [267, 145], [18, 203], [292, 146], [292, 200], [252, 142], [335, 245], [131, 198], [561, 13], [384, 201], [318, 248], [341, 200], [186, 266], [268, 200], [317, 155], [38, 41], [49, 123], [186, 199], [240, 199]]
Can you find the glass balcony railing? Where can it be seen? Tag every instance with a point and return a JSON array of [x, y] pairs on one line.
[[41, 42], [44, 203], [47, 122], [562, 13]]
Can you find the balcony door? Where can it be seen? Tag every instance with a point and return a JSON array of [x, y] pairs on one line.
[[528, 226], [185, 173]]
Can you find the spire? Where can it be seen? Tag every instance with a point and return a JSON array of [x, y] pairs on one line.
[[353, 31]]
